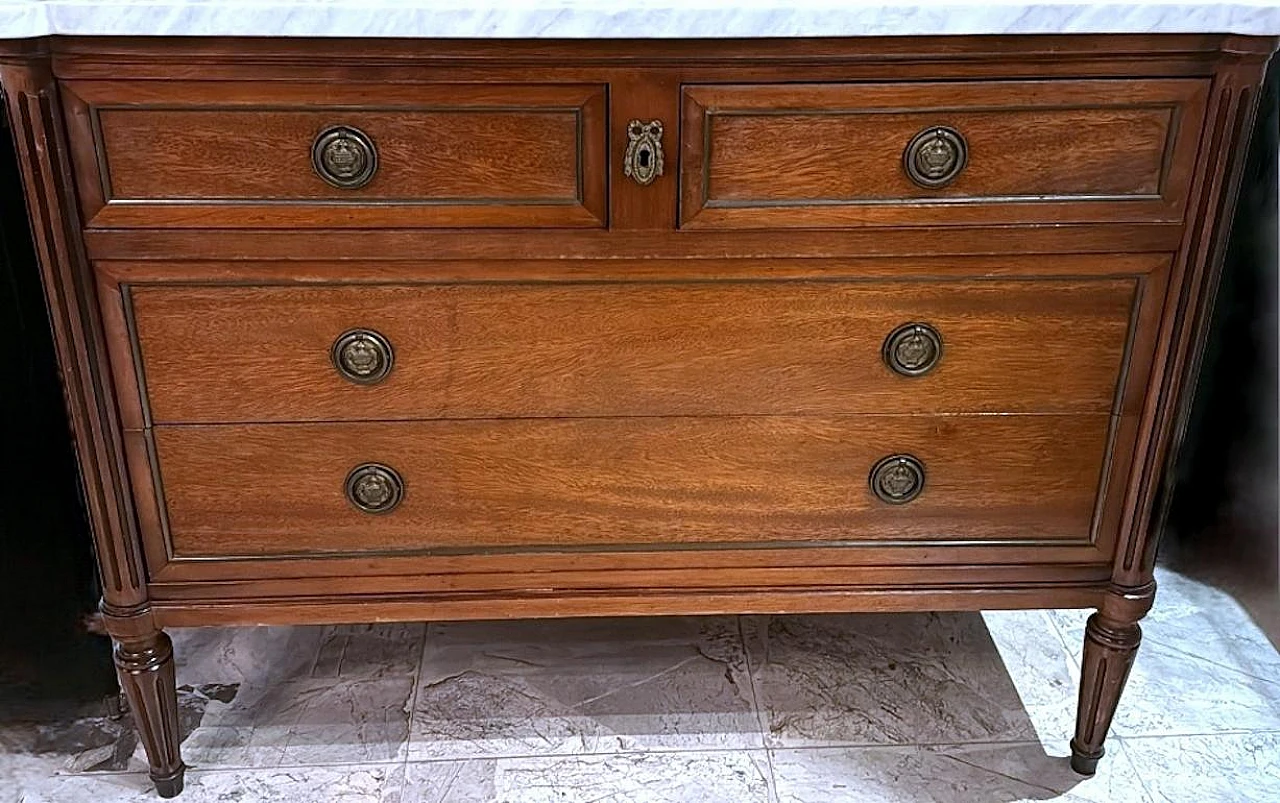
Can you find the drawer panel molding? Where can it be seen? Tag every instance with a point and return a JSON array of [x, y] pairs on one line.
[[630, 348], [610, 483], [264, 155], [934, 154]]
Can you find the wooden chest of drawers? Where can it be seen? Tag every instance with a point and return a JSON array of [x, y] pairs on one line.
[[358, 331]]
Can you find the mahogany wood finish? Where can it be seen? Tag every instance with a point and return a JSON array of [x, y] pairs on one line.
[[1098, 150], [693, 348], [650, 481], [1111, 643], [145, 667], [615, 399], [143, 655], [239, 154]]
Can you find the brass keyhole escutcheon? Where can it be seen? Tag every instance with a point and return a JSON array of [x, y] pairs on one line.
[[935, 156], [643, 162], [344, 157]]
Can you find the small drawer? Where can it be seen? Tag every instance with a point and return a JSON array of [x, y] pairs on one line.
[[287, 154], [930, 154], [215, 354], [483, 485]]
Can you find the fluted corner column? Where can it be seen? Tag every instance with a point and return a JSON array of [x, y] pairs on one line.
[[1111, 640], [144, 663]]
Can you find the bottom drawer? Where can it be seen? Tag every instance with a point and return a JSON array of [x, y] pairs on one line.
[[283, 489]]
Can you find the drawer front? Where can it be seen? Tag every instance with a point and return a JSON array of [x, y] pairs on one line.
[[261, 490], [217, 354], [284, 154], [832, 155]]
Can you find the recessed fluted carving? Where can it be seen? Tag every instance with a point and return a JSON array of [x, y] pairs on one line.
[[1112, 635], [1111, 640], [36, 112], [145, 667], [1229, 121]]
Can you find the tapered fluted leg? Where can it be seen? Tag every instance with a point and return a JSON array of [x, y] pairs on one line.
[[1111, 640], [145, 666]]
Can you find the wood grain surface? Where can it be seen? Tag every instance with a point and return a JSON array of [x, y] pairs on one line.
[[227, 154], [831, 154], [230, 354], [278, 489]]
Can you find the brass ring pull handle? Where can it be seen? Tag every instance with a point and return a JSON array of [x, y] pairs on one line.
[[897, 479], [912, 349], [935, 157], [344, 157], [362, 356], [374, 488], [643, 162]]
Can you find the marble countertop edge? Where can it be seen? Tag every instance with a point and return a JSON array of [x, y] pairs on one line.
[[596, 19]]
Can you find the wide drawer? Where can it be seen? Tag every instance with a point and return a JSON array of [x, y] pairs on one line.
[[287, 154], [831, 155], [212, 354], [283, 489]]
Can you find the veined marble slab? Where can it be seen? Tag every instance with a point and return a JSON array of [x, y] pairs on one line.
[[582, 19]]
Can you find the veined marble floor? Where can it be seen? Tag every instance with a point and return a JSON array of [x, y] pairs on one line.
[[963, 708]]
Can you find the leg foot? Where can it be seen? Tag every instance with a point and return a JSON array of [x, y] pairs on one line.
[[145, 667], [171, 786], [1084, 763], [1111, 640]]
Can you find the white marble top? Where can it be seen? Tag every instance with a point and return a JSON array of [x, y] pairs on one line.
[[628, 18]]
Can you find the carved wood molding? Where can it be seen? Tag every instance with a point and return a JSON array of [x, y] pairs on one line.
[[1188, 311], [32, 103]]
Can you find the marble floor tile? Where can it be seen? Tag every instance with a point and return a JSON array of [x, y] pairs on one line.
[[341, 694], [1040, 667], [1203, 667], [737, 776], [23, 766], [306, 722], [351, 721], [1240, 768], [1170, 693], [1204, 621], [585, 686], [948, 774], [235, 746], [364, 784], [369, 651], [1070, 623], [931, 707], [266, 655], [97, 743], [882, 679], [239, 655], [1197, 619]]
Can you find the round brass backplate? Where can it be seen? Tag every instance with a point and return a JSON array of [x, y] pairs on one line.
[[912, 349], [344, 157], [935, 156], [362, 356], [897, 479], [374, 488]]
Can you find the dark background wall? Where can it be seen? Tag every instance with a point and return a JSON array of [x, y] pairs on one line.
[[47, 579], [1225, 515]]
